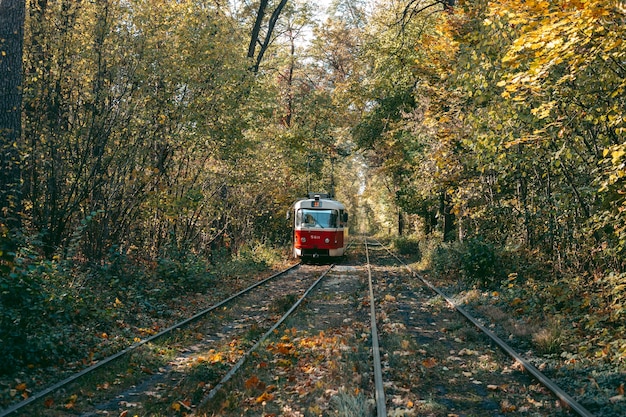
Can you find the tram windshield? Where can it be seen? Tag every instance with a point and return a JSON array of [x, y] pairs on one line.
[[316, 218]]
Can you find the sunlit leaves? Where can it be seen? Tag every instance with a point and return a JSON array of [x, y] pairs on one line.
[[613, 189], [574, 34], [567, 55]]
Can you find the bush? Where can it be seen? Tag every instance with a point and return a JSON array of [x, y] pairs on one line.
[[446, 260], [262, 254], [408, 246], [35, 306], [187, 272], [475, 260], [480, 263]]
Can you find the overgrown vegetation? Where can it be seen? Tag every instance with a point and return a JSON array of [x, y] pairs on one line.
[[486, 122], [476, 261], [524, 288], [408, 246], [57, 313]]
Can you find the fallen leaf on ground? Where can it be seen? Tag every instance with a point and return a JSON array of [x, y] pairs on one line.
[[266, 396], [429, 363]]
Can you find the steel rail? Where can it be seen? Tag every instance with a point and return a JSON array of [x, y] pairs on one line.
[[262, 339], [265, 336], [381, 406], [134, 346], [530, 368]]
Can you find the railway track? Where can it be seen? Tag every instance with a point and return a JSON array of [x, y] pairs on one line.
[[454, 363], [224, 320], [362, 338]]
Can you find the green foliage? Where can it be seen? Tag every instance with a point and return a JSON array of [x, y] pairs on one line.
[[614, 291], [480, 263], [249, 260], [184, 272], [612, 192], [389, 109], [445, 261], [58, 311], [8, 246], [264, 255], [38, 309], [476, 261], [408, 246]]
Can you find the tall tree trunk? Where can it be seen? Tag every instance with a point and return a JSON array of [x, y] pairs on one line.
[[11, 45], [256, 32], [446, 217]]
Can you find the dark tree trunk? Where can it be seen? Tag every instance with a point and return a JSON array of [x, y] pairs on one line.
[[256, 32], [11, 44], [446, 217]]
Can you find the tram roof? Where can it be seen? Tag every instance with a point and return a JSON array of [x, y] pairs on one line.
[[319, 201]]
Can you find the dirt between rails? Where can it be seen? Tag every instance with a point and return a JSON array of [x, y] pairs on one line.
[[318, 363]]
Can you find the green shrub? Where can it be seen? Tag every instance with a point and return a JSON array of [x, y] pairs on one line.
[[480, 263], [408, 246], [446, 260], [185, 271], [476, 261], [36, 306], [262, 254]]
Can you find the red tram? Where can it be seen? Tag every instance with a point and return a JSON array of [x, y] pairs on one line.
[[320, 227]]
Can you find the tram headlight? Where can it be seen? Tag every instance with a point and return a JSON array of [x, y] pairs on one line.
[[303, 239], [327, 240]]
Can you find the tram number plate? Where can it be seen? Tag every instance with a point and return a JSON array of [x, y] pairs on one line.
[[315, 237]]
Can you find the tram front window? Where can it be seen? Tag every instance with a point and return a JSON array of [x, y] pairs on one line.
[[316, 218]]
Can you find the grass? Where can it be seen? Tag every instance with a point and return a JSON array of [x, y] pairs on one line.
[[549, 340], [347, 405]]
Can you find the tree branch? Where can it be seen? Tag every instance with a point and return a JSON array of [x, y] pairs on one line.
[[268, 35]]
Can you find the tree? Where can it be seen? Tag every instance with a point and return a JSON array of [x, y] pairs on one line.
[[134, 111], [408, 58], [11, 42], [263, 40]]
